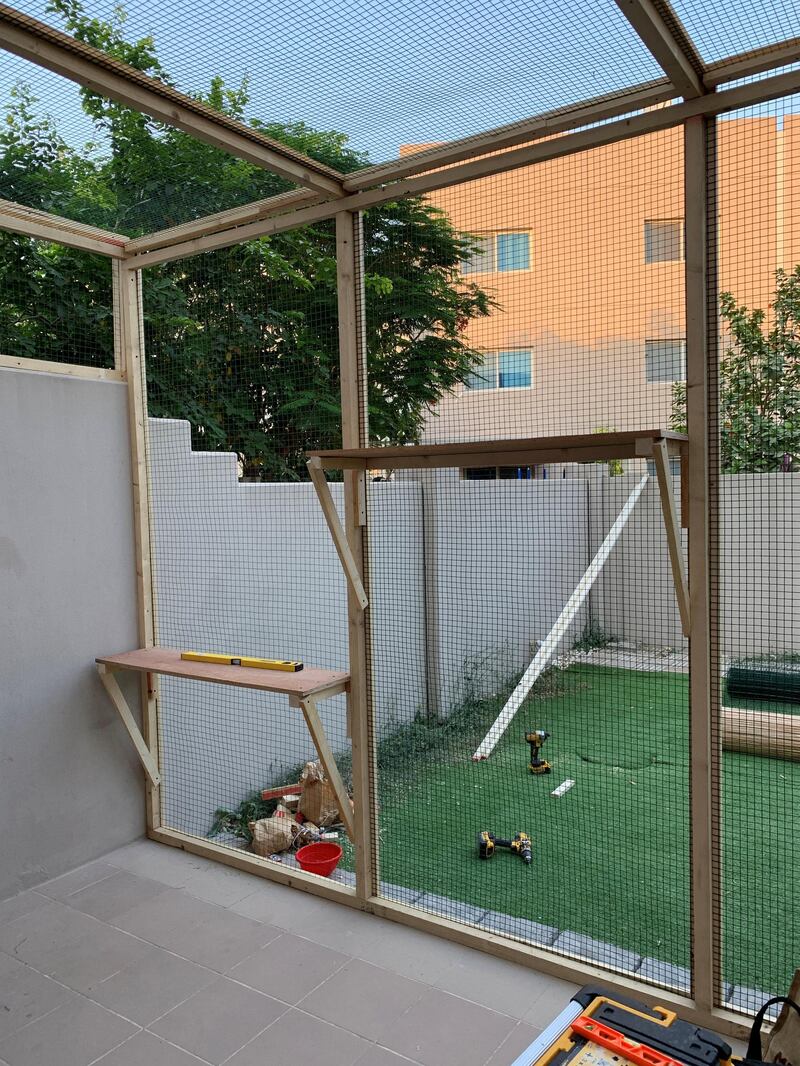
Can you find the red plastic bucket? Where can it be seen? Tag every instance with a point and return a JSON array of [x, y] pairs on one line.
[[321, 858]]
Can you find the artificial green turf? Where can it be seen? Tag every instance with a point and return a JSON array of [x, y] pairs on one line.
[[611, 857]]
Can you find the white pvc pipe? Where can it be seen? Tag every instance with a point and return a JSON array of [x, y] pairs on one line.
[[556, 634]]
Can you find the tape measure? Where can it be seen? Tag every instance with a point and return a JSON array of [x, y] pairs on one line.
[[289, 666]]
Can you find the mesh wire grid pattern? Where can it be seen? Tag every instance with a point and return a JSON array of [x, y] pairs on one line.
[[72, 154], [403, 71], [757, 630], [242, 380], [569, 307], [560, 254], [56, 303], [720, 32], [560, 297]]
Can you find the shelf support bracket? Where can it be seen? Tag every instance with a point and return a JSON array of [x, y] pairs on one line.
[[308, 705], [337, 530], [115, 695], [673, 530]]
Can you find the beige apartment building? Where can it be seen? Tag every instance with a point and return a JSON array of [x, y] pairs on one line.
[[584, 257]]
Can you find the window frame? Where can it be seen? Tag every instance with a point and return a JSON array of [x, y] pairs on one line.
[[680, 223], [664, 340], [493, 355], [495, 474], [490, 239]]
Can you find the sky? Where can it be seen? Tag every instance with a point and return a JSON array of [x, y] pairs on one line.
[[404, 71]]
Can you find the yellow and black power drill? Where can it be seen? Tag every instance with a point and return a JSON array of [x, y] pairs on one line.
[[520, 845], [536, 739]]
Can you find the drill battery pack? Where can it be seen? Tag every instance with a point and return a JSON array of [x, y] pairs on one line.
[[598, 1028]]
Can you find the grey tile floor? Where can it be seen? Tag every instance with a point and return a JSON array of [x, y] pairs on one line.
[[153, 957]]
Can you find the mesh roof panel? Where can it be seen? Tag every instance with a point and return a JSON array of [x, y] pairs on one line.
[[56, 157], [402, 71], [719, 31]]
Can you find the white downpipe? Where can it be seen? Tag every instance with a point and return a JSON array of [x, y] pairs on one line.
[[556, 634]]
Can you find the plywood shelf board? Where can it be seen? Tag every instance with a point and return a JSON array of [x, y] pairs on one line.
[[310, 681], [577, 447]]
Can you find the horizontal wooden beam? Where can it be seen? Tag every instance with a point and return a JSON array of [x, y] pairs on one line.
[[30, 222], [63, 54], [747, 64], [667, 42], [72, 370], [222, 220], [539, 152], [582, 448], [549, 123], [272, 870], [477, 459]]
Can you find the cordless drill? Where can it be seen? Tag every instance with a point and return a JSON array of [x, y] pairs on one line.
[[520, 845], [536, 739]]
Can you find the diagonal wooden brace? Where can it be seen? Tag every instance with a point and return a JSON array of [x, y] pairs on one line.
[[673, 530], [115, 695], [337, 530], [308, 705]]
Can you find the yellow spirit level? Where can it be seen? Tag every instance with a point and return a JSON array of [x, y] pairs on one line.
[[288, 665]]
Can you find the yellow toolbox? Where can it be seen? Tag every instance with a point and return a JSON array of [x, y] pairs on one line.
[[598, 1028]]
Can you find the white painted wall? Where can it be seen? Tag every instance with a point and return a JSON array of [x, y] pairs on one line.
[[759, 565], [503, 559], [70, 783], [251, 568]]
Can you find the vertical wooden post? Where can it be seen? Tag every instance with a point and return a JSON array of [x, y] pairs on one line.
[[352, 362], [701, 420], [128, 316]]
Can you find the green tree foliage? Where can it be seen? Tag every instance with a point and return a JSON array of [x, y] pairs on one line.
[[759, 383], [242, 342]]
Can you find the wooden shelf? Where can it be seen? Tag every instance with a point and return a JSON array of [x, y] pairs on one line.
[[310, 681], [304, 689], [580, 448]]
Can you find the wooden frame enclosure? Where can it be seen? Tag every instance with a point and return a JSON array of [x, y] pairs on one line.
[[328, 195]]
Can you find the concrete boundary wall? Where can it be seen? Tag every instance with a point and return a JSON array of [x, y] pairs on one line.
[[634, 598]]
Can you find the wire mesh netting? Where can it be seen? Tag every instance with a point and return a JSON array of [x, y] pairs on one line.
[[575, 275], [719, 32], [757, 632], [56, 303], [381, 76], [242, 380], [526, 612], [72, 153]]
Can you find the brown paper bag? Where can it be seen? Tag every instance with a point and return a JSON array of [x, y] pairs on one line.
[[783, 1045], [318, 802], [271, 835]]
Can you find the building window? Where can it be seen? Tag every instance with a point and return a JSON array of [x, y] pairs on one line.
[[509, 369], [501, 252], [513, 251], [664, 360], [663, 240], [674, 466], [484, 375], [497, 473], [482, 259]]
